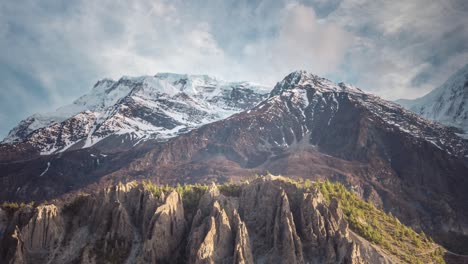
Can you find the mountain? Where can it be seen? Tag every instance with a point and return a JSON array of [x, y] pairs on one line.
[[307, 127], [125, 112], [269, 220], [310, 127], [447, 104]]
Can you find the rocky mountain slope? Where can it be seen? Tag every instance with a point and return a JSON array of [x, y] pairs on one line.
[[125, 112], [447, 104], [308, 127], [266, 221]]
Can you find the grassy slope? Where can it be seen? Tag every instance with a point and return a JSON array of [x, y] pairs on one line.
[[382, 229]]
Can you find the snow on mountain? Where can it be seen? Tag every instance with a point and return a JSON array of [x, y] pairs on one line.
[[447, 104], [327, 98], [137, 108]]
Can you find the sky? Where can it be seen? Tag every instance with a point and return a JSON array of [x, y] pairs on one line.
[[54, 51]]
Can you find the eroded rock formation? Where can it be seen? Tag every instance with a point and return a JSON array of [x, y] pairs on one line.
[[271, 221]]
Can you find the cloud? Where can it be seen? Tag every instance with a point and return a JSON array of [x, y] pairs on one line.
[[302, 42], [404, 48]]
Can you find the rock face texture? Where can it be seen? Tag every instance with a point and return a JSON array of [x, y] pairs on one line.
[[124, 222], [168, 230], [42, 234], [271, 221]]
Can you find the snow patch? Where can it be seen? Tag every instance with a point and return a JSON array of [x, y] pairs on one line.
[[45, 171]]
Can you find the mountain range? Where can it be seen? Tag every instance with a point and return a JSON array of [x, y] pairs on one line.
[[186, 129]]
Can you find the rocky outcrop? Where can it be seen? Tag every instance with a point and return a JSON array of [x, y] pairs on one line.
[[269, 221], [272, 224], [296, 227], [212, 239], [218, 235], [242, 248], [167, 231], [121, 224], [41, 235], [3, 221]]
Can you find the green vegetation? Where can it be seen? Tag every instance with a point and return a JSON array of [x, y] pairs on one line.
[[230, 189], [12, 207], [380, 228], [157, 190], [191, 194]]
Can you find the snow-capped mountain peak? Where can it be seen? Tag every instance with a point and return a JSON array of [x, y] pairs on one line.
[[137, 108], [302, 78], [316, 99]]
